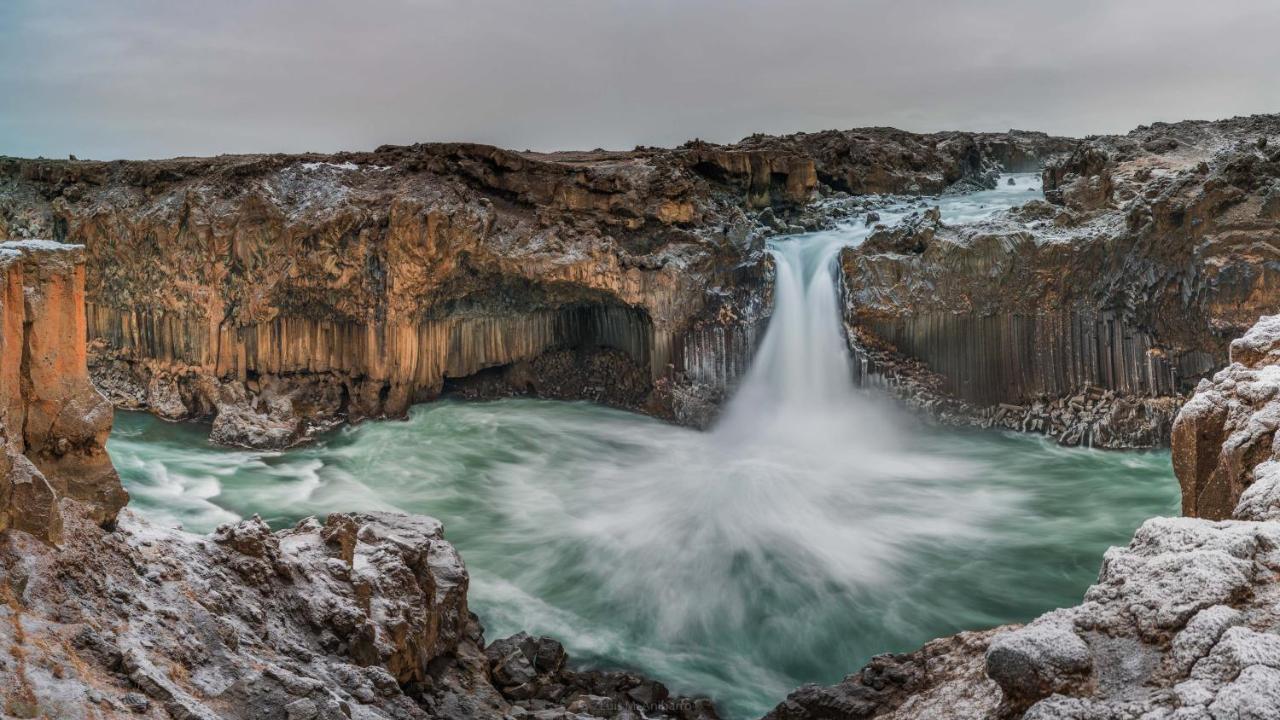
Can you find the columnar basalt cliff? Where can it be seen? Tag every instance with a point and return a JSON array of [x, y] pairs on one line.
[[1153, 251], [53, 423], [275, 291], [361, 616], [1181, 623], [277, 294], [105, 615]]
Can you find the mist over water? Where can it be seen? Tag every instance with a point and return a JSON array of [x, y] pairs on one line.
[[813, 527]]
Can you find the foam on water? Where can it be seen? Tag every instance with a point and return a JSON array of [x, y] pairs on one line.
[[813, 527]]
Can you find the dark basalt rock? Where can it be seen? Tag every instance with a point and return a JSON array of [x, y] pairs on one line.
[[1135, 284]]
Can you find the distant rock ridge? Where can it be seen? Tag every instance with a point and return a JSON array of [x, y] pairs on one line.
[[53, 423]]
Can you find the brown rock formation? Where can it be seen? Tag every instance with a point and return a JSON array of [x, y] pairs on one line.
[[886, 160], [1156, 253], [53, 423], [278, 294], [277, 290], [1224, 439]]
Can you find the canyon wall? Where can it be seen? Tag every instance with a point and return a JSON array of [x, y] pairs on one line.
[[53, 423], [1154, 250], [280, 294], [103, 614]]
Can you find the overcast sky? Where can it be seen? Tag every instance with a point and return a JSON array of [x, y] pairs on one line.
[[155, 78]]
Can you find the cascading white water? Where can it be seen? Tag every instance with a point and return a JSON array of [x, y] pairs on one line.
[[802, 363], [813, 527]]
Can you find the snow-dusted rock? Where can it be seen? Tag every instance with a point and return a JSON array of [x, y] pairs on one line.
[[363, 615], [1227, 430], [1037, 661]]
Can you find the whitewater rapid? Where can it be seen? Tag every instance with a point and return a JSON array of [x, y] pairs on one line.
[[813, 526]]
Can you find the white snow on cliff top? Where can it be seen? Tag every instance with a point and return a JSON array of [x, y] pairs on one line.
[[33, 245], [336, 166], [346, 166]]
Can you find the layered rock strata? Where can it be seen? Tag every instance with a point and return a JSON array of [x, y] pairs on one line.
[[1180, 625], [279, 294], [1154, 250], [53, 423]]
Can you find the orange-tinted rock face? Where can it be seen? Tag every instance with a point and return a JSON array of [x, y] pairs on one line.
[[271, 291], [1224, 439], [281, 292], [54, 423]]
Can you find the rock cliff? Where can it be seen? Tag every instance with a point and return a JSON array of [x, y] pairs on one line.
[[1154, 250], [53, 423], [280, 294], [1181, 623], [104, 615]]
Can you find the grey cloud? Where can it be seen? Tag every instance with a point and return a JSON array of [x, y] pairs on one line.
[[150, 78]]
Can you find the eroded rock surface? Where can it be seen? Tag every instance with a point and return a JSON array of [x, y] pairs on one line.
[[53, 423], [1224, 440], [359, 616]]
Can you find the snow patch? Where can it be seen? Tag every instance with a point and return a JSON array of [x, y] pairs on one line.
[[37, 245], [346, 166]]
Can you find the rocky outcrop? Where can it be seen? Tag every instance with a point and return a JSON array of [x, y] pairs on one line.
[[281, 294], [1090, 416], [53, 423], [1224, 440], [278, 294], [1181, 623], [1154, 250], [359, 616], [882, 160]]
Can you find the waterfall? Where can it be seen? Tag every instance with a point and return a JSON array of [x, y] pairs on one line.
[[812, 526], [800, 385], [803, 361]]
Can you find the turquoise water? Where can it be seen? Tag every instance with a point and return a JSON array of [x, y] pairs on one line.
[[813, 527], [571, 527]]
